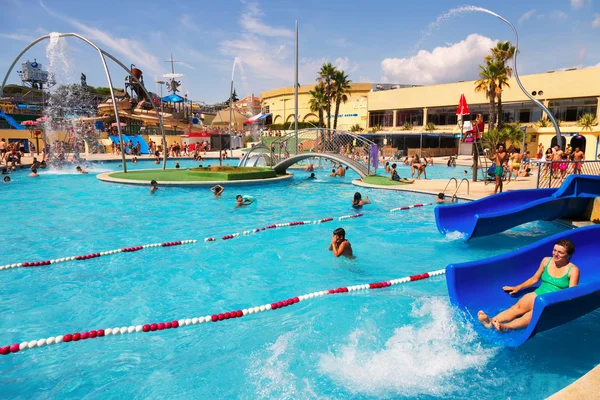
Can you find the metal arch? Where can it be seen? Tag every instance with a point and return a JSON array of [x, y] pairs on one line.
[[102, 53], [357, 167], [246, 156], [112, 95], [539, 103]]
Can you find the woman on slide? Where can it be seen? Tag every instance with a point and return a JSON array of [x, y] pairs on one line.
[[556, 272]]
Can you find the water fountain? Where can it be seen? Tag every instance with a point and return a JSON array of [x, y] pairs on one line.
[[236, 61], [464, 9], [103, 54]]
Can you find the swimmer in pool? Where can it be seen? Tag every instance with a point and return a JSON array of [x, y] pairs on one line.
[[339, 245], [358, 202], [81, 170], [556, 272], [217, 190], [312, 176], [441, 198], [153, 186], [242, 201]]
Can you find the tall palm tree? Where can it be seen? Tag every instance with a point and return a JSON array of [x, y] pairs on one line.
[[325, 78], [341, 88], [501, 54], [318, 102], [487, 83]]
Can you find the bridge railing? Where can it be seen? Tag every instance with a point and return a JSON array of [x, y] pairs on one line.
[[324, 141]]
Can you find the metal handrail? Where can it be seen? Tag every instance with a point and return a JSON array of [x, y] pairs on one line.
[[458, 187], [447, 184]]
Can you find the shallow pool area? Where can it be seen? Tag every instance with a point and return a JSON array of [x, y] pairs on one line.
[[404, 341]]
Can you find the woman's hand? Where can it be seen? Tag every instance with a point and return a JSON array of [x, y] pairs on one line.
[[511, 289]]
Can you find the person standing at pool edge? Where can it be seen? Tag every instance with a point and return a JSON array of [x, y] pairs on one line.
[[499, 171], [339, 245]]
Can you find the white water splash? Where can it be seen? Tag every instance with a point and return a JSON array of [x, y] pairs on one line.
[[447, 16], [415, 361], [455, 235]]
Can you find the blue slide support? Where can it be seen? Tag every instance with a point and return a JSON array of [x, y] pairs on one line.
[[497, 213], [11, 121], [477, 285]]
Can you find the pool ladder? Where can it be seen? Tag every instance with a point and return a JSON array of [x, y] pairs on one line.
[[457, 185]]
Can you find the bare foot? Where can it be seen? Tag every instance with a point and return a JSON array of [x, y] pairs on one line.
[[484, 319], [499, 327]]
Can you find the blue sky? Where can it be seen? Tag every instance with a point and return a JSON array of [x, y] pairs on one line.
[[376, 41]]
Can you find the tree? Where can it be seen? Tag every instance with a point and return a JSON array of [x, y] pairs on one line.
[[486, 83], [234, 97], [501, 54], [326, 74], [318, 102], [356, 128], [587, 121], [341, 88], [430, 127]]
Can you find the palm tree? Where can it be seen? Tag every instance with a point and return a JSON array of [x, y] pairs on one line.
[[341, 87], [326, 74], [317, 102], [488, 76], [501, 54], [587, 121]]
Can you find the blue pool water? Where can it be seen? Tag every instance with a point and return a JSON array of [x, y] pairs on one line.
[[400, 342]]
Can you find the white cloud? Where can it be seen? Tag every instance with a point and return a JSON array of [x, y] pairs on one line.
[[344, 64], [577, 4], [526, 16], [596, 22], [187, 23], [251, 22], [129, 49], [560, 15], [17, 36], [459, 61]]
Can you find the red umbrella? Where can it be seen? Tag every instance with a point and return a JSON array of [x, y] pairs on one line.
[[463, 108], [122, 124], [44, 119], [30, 123]]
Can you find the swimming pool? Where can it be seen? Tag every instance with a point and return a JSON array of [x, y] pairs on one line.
[[404, 341]]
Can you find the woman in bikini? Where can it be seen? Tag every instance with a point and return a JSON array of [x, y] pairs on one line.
[[556, 272]]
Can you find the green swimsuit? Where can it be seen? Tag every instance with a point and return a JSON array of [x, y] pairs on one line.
[[551, 284]]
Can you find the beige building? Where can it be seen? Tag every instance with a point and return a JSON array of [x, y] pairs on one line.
[[280, 104], [249, 105], [401, 112], [567, 94]]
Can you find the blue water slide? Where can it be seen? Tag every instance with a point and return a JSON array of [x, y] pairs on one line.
[[134, 140], [497, 213], [477, 285], [11, 121]]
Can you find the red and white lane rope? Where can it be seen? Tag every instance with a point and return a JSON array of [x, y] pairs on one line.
[[165, 244], [95, 255], [159, 326], [409, 207], [283, 225]]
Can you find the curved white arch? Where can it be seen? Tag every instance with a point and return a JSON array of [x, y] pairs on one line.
[[102, 53]]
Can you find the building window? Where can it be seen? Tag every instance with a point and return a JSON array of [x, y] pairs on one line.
[[442, 116], [267, 108], [413, 117], [383, 118], [573, 109]]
